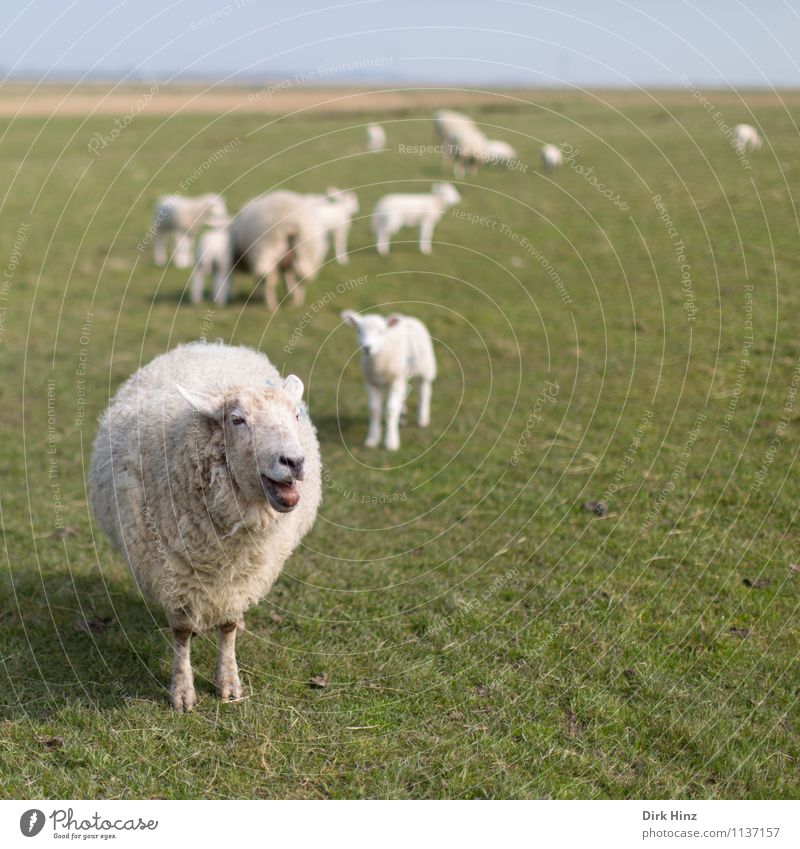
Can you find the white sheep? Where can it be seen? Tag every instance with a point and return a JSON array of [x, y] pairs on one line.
[[394, 351], [462, 141], [499, 152], [336, 209], [407, 210], [178, 219], [278, 232], [213, 256], [376, 137], [206, 475], [745, 136], [552, 157]]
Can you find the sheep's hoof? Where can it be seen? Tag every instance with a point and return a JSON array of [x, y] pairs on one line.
[[183, 697], [392, 446], [424, 422], [229, 689], [372, 443]]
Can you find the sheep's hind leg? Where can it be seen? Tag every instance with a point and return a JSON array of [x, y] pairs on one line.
[[182, 695], [296, 289], [424, 413], [270, 284], [229, 687]]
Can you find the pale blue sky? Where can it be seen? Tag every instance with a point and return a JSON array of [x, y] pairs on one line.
[[600, 42]]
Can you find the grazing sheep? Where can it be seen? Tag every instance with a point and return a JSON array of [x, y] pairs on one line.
[[213, 257], [745, 136], [552, 157], [206, 475], [499, 152], [376, 137], [394, 350], [462, 141], [179, 218], [335, 210], [406, 210], [278, 232]]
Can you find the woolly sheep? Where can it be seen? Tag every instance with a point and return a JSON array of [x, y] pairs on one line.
[[179, 218], [205, 474], [213, 257], [552, 157], [335, 210], [394, 350], [376, 137], [462, 141], [745, 136], [406, 210], [499, 152], [278, 232]]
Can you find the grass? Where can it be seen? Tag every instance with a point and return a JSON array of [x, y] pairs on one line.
[[483, 634]]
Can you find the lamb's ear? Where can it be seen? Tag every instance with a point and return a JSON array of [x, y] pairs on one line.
[[349, 317], [393, 320], [206, 405], [294, 387]]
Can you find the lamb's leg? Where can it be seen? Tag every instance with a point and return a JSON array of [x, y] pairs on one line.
[[221, 286], [375, 398], [270, 284], [424, 412], [340, 245], [394, 405], [183, 250], [229, 688], [160, 249], [198, 283], [181, 692], [426, 235], [383, 242]]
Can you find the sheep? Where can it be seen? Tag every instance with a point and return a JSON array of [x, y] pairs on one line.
[[746, 136], [394, 350], [499, 152], [376, 137], [278, 232], [206, 474], [213, 256], [335, 210], [462, 141], [179, 218], [552, 157], [405, 210]]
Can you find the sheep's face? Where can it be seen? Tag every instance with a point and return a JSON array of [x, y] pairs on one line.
[[372, 329], [261, 435], [447, 192]]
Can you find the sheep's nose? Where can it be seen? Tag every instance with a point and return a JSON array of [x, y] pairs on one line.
[[296, 465]]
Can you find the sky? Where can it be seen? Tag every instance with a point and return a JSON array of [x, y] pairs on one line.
[[741, 43]]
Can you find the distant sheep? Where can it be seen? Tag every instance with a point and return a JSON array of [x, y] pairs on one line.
[[499, 152], [376, 137], [178, 219], [463, 142], [394, 351], [213, 256], [552, 157], [335, 210], [407, 210], [745, 136], [278, 232], [206, 475]]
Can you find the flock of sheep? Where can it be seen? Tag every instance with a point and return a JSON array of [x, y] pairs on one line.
[[206, 470]]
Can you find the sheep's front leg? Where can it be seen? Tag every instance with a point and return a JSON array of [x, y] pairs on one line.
[[160, 249], [198, 283], [182, 695], [426, 235], [340, 245], [221, 286], [375, 399], [425, 392], [183, 250], [394, 406], [229, 687], [383, 242]]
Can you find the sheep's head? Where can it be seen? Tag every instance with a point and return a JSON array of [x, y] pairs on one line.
[[373, 330], [348, 200], [216, 206], [447, 192], [261, 435]]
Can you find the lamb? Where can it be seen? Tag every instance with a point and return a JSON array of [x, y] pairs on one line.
[[745, 136], [179, 218], [462, 141], [406, 210], [552, 157], [278, 232], [213, 257], [335, 210], [394, 350], [206, 475], [376, 137], [499, 152]]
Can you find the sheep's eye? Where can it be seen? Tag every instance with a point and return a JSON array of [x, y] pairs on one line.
[[238, 420]]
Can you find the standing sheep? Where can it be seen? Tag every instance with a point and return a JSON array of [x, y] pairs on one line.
[[376, 137], [552, 157], [745, 136], [394, 350], [335, 210], [462, 141], [278, 232], [500, 152], [213, 257], [407, 210], [206, 475], [179, 218]]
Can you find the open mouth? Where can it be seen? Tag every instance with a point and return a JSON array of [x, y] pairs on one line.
[[283, 496]]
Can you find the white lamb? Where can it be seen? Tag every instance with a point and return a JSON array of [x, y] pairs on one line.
[[335, 210], [376, 137], [552, 157], [178, 219], [499, 152], [394, 351], [745, 136], [206, 475], [278, 232], [213, 256], [407, 210], [462, 141]]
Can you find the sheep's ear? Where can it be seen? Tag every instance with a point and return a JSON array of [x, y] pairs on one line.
[[393, 320], [349, 317], [206, 405], [294, 387], [331, 191]]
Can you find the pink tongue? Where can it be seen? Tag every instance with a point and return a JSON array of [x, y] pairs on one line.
[[288, 493]]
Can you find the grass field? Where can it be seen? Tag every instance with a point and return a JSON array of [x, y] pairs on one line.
[[482, 632]]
